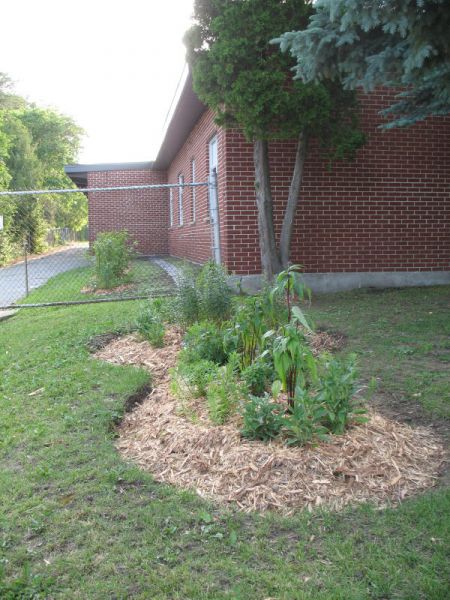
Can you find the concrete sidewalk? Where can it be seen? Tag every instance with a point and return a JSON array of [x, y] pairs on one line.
[[40, 270]]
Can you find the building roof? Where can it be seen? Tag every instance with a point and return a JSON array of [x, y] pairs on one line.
[[187, 112], [78, 172]]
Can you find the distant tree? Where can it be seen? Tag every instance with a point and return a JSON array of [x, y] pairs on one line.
[[5, 177], [9, 100], [400, 43], [56, 140], [240, 76], [26, 223], [35, 144]]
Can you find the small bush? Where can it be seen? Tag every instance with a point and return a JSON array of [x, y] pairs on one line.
[[224, 392], [262, 418], [303, 423], [192, 379], [186, 303], [247, 330], [336, 393], [203, 341], [257, 377], [112, 258], [150, 325], [214, 295], [293, 360]]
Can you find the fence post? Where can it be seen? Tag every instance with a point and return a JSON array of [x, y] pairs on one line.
[[25, 255], [214, 215]]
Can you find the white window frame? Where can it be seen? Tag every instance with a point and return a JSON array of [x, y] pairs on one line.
[[171, 206], [194, 190], [180, 200]]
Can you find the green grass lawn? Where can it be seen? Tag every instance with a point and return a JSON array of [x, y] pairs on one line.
[[402, 338], [76, 521], [145, 278]]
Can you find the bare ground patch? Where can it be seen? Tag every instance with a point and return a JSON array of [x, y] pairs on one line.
[[382, 461]]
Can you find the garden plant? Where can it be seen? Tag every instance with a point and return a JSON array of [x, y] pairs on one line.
[[252, 357], [113, 254]]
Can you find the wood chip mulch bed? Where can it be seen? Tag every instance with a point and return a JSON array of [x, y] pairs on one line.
[[105, 291], [382, 461]]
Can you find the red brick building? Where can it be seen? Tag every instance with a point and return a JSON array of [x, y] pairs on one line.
[[382, 219]]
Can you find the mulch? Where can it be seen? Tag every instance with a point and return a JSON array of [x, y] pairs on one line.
[[381, 461]]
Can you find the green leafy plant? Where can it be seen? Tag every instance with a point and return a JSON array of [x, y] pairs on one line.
[[289, 285], [224, 392], [187, 306], [112, 258], [258, 376], [214, 294], [246, 331], [302, 423], [338, 385], [192, 379], [204, 341], [273, 307], [262, 418], [150, 325], [293, 360]]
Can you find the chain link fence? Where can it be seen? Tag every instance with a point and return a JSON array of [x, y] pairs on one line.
[[42, 265]]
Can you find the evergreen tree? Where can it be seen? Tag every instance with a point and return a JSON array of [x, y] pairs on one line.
[[400, 43], [240, 76]]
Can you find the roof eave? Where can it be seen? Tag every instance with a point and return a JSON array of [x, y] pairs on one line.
[[188, 111]]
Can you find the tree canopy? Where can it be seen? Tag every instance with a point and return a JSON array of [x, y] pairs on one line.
[[35, 144], [248, 83], [396, 43]]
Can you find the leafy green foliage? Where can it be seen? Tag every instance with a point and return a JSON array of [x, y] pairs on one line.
[[204, 296], [293, 360], [262, 418], [239, 75], [112, 258], [35, 144], [192, 379], [214, 294], [247, 330], [403, 43], [303, 422], [150, 325], [258, 375], [224, 392], [289, 284], [338, 385], [186, 302], [204, 341]]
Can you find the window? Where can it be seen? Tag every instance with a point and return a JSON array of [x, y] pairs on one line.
[[171, 206], [193, 191], [180, 200]]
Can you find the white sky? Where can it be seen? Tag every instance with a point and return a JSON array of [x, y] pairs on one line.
[[111, 65]]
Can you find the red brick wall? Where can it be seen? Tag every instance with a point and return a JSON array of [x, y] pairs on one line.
[[143, 213], [193, 239], [389, 210]]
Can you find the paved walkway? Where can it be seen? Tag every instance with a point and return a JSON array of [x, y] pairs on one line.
[[40, 270], [170, 269]]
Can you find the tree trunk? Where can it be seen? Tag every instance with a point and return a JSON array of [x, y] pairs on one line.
[[292, 202], [270, 258]]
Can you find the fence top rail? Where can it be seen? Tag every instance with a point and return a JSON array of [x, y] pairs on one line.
[[105, 189]]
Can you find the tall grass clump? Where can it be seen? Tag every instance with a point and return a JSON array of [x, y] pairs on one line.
[[214, 295]]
